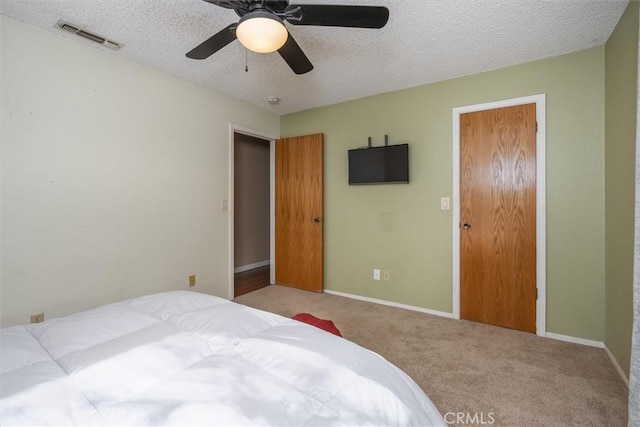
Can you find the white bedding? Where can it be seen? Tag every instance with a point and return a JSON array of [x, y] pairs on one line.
[[185, 358]]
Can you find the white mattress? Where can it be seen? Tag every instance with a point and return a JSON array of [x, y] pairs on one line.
[[185, 358]]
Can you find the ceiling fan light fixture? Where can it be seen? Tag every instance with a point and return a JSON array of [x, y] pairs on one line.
[[261, 31]]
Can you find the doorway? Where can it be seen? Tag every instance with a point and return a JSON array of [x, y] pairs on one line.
[[251, 213], [499, 214], [300, 176]]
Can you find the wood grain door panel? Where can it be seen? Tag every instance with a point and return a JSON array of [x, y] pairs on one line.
[[299, 212], [498, 202]]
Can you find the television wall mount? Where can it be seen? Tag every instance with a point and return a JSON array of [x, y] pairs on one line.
[[386, 142]]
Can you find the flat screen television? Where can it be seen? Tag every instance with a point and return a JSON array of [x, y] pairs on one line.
[[379, 165]]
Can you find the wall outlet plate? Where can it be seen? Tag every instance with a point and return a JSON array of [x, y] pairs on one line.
[[385, 276], [37, 318], [376, 274], [192, 280]]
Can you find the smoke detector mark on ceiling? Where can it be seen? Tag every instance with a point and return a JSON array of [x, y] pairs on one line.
[[75, 29]]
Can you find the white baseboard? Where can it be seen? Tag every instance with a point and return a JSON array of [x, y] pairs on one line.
[[251, 266], [591, 343], [617, 366], [390, 303], [575, 340]]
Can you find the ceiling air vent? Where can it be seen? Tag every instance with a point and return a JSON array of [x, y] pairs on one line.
[[111, 44]]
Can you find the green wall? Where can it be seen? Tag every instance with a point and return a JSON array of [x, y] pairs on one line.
[[621, 72], [400, 228]]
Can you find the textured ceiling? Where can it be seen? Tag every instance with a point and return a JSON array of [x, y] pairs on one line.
[[424, 41]]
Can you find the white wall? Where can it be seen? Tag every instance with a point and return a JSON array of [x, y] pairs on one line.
[[112, 177]]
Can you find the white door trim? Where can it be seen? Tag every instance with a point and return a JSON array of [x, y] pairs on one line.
[[541, 230], [233, 128]]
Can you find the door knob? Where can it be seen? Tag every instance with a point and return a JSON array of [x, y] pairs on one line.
[[316, 219], [466, 226]]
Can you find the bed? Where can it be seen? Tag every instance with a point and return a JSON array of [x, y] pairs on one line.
[[185, 358]]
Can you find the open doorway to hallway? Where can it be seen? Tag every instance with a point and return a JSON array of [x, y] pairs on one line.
[[252, 246]]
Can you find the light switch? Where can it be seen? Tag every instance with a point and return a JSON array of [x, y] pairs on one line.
[[224, 205], [445, 203]]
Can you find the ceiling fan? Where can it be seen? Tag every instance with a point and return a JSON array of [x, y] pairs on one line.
[[261, 27]]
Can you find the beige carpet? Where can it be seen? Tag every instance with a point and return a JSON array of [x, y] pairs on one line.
[[494, 374]]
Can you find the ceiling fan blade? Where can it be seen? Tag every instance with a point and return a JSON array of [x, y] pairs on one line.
[[228, 4], [214, 43], [295, 57], [337, 16]]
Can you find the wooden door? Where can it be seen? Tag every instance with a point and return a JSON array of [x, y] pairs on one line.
[[498, 217], [299, 212]]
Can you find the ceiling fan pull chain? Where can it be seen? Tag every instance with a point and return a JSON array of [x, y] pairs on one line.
[[246, 60]]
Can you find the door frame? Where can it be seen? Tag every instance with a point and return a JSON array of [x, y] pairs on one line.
[[233, 129], [541, 231]]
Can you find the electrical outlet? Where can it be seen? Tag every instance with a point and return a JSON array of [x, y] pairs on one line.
[[37, 318], [376, 274], [192, 280], [224, 205], [385, 276]]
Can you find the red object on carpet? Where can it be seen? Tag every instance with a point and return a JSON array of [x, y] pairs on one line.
[[325, 325]]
